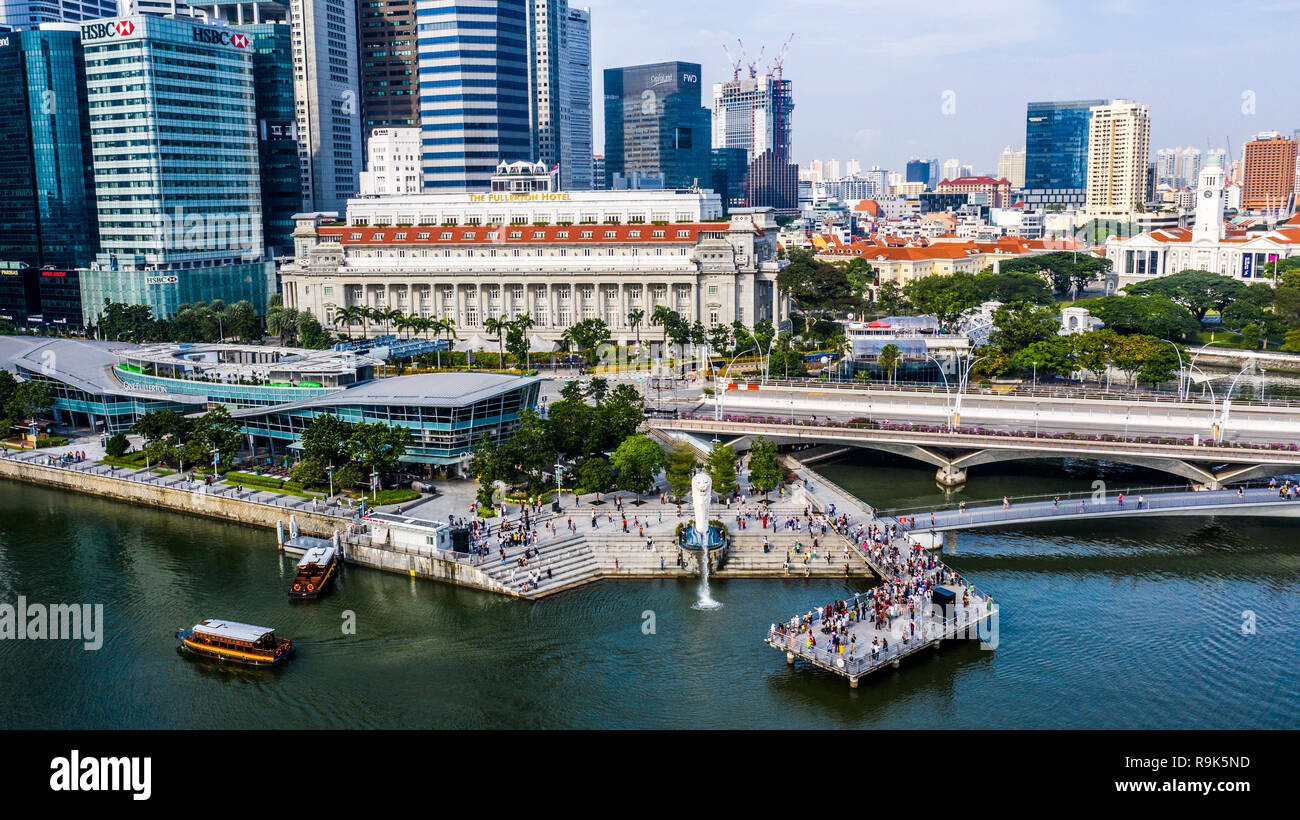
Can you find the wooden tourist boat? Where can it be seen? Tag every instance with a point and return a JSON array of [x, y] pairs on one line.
[[316, 570], [234, 642]]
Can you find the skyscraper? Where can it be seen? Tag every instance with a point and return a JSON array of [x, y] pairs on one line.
[[1056, 144], [279, 167], [920, 170], [181, 221], [754, 113], [389, 89], [574, 151], [1011, 167], [474, 70], [28, 14], [1119, 142], [654, 123], [1268, 173], [951, 169], [326, 93], [47, 204]]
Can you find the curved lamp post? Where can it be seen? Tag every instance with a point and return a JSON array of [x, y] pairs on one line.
[[722, 388]]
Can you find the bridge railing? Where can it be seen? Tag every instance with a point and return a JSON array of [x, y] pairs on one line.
[[1048, 508], [1053, 392], [1065, 496], [1153, 443]]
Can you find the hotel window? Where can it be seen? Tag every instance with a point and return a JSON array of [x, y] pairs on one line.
[[713, 318], [610, 219], [494, 293], [658, 234], [422, 236], [634, 234], [611, 234], [354, 237], [539, 235], [518, 219], [683, 234], [634, 293], [611, 294], [586, 234], [713, 290], [586, 293], [329, 291], [660, 291], [516, 234], [636, 219], [471, 316], [473, 220], [562, 235], [445, 235], [660, 216], [517, 292], [399, 237], [564, 293]]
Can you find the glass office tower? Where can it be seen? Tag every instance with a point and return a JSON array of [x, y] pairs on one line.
[[47, 204], [1056, 144], [474, 90], [654, 123], [174, 133]]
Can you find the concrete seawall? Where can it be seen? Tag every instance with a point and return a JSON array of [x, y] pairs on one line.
[[194, 501]]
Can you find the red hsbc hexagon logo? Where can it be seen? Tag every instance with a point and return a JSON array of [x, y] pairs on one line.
[[239, 40], [124, 27]]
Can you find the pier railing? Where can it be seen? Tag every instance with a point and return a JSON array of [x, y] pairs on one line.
[[1082, 503], [860, 661]]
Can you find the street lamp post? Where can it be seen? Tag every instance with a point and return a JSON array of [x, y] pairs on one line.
[[721, 386], [1181, 395], [962, 384], [330, 471], [1227, 402], [374, 485], [946, 391], [559, 478]]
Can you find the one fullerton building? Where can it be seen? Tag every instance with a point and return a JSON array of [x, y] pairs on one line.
[[525, 248]]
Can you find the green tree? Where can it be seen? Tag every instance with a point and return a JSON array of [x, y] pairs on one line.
[[681, 466], [594, 475], [1019, 325], [638, 460], [889, 358], [946, 297], [1153, 315], [532, 451], [618, 414], [1092, 350], [1048, 357], [216, 430], [377, 447], [159, 424], [890, 300], [310, 473], [765, 471], [117, 445], [1200, 291], [721, 467], [1013, 286], [325, 439], [28, 400], [585, 337], [1251, 337]]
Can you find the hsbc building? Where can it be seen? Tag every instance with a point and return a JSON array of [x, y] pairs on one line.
[[175, 165]]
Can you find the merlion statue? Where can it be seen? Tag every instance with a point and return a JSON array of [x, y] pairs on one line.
[[701, 492]]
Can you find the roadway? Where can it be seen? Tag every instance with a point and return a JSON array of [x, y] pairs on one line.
[[1119, 415]]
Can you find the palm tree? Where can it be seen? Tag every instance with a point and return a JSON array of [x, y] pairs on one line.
[[346, 316], [634, 318], [525, 323], [497, 326], [386, 315], [444, 327]]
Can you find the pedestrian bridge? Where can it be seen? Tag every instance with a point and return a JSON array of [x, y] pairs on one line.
[[1206, 465], [1259, 501]]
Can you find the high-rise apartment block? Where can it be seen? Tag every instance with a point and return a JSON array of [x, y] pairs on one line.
[[1268, 174], [1119, 141]]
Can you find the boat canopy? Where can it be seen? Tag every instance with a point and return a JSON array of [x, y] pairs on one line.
[[233, 630], [320, 556]]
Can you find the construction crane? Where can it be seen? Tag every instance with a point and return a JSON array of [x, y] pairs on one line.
[[753, 66], [778, 62], [735, 64]]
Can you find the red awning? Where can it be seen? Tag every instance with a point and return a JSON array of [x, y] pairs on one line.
[[878, 323]]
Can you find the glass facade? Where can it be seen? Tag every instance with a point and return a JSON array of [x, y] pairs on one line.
[[174, 134], [277, 146], [47, 206], [655, 123], [1056, 144], [474, 89], [439, 434]]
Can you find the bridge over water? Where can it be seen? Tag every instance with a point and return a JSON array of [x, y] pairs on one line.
[[1256, 501], [1206, 465]]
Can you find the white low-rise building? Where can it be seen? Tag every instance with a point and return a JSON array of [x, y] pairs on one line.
[[557, 257]]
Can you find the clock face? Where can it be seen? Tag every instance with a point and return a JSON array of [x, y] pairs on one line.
[[1208, 194]]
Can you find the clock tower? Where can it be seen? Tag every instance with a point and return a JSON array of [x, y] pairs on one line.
[[1209, 203]]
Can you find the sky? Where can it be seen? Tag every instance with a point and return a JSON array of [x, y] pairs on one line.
[[882, 82]]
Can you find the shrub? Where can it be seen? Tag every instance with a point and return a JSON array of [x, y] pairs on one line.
[[117, 445]]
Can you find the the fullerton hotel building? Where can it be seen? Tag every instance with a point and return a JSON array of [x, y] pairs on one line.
[[524, 248]]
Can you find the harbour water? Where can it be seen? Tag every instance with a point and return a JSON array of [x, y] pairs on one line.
[[1125, 625]]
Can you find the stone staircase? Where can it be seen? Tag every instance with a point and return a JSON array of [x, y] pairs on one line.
[[746, 558], [624, 555], [568, 557]]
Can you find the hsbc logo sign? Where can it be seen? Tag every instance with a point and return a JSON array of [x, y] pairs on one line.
[[96, 31], [220, 37]]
